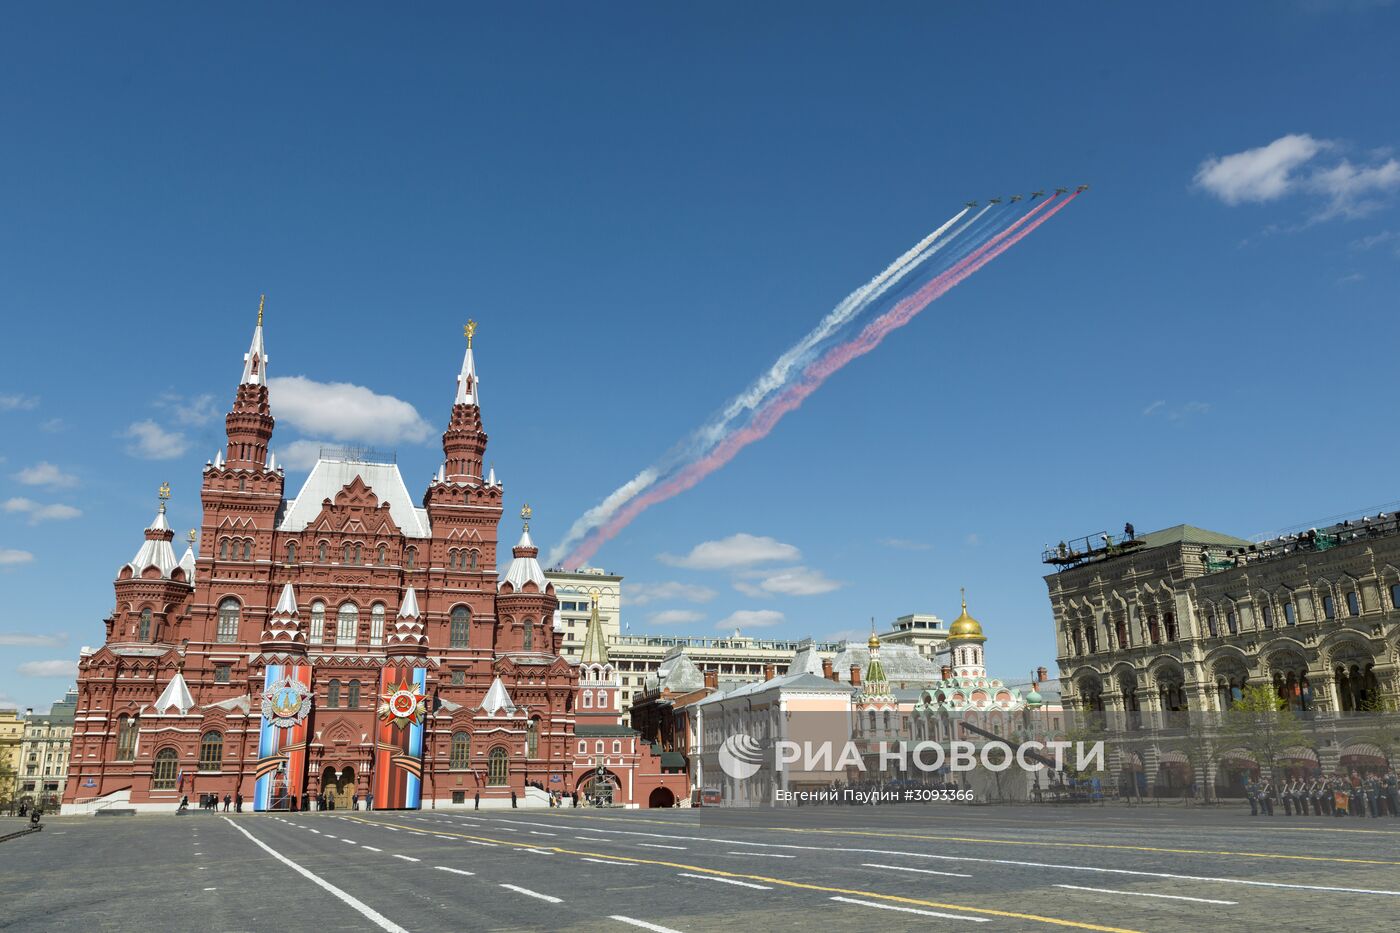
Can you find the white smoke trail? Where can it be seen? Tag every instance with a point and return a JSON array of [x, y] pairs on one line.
[[792, 360]]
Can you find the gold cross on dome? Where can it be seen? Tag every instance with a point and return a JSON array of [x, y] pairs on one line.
[[470, 332]]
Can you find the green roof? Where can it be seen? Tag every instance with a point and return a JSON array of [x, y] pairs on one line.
[[672, 760], [582, 730], [1189, 534]]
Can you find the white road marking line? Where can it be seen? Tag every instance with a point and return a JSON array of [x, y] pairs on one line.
[[543, 897], [508, 829], [201, 868], [742, 884], [211, 889], [604, 861], [591, 839], [350, 842], [653, 845], [539, 851], [455, 871], [316, 831], [776, 855], [371, 849], [536, 832], [1171, 897], [478, 842], [910, 910], [654, 927], [378, 919], [922, 871], [415, 832], [392, 829], [408, 858]]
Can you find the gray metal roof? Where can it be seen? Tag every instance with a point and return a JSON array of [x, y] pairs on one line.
[[328, 477], [902, 663]]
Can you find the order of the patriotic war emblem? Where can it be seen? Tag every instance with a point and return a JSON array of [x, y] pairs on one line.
[[404, 705], [286, 703]]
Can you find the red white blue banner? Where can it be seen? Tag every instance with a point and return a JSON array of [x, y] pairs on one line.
[[286, 710]]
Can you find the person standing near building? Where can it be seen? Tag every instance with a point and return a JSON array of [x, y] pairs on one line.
[[369, 800], [1251, 793], [238, 802], [476, 800], [228, 801]]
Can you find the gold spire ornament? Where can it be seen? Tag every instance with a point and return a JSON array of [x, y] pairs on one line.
[[525, 513], [470, 332], [261, 300], [163, 495], [192, 536]]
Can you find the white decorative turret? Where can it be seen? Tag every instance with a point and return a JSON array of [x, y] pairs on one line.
[[491, 479], [524, 567], [283, 629], [176, 696], [468, 386], [255, 360], [497, 700], [156, 550], [408, 636]]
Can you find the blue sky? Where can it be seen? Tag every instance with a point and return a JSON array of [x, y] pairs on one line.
[[643, 207]]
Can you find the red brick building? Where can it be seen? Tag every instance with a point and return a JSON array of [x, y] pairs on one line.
[[315, 640]]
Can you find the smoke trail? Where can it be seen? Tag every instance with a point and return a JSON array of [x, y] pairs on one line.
[[817, 373], [702, 439]]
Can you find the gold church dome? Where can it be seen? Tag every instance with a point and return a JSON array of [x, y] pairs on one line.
[[965, 627], [873, 641]]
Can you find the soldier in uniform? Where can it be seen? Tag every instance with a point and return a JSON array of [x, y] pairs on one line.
[[1392, 789], [1286, 796], [1252, 793]]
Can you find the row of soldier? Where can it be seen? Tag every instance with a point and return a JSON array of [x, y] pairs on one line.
[[1373, 795]]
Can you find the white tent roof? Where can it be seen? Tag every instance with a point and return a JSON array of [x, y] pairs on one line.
[[497, 699], [328, 477], [177, 695]]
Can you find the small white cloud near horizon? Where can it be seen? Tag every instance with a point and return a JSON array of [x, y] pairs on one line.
[[12, 557], [750, 618], [676, 617], [150, 441], [738, 550], [786, 581], [67, 669], [344, 411], [44, 473], [1261, 174], [32, 640], [38, 512], [640, 594]]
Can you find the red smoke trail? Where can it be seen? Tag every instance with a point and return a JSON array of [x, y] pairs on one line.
[[816, 374]]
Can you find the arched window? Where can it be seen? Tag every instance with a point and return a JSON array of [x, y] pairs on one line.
[[602, 699], [347, 620], [357, 555], [382, 557], [143, 633], [333, 695], [1289, 613], [461, 751], [1329, 607], [474, 559], [323, 552], [163, 777], [211, 752], [318, 622], [291, 552], [588, 699], [247, 549], [599, 747], [1395, 595], [498, 773], [617, 747], [345, 555], [410, 557], [353, 695], [583, 748], [126, 738], [223, 548], [529, 642], [229, 612], [532, 738], [1353, 604], [460, 627], [376, 624]]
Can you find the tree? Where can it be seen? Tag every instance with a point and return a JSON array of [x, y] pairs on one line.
[[1381, 725], [1261, 722]]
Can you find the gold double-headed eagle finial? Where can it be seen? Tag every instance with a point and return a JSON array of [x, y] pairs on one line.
[[525, 513], [163, 494], [192, 536], [470, 332], [261, 300]]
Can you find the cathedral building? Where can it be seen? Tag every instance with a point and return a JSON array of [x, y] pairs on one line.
[[345, 643]]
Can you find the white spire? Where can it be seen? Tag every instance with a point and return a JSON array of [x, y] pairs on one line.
[[177, 695], [255, 360], [287, 602], [491, 477], [408, 609], [442, 473], [219, 460], [497, 699], [187, 564], [468, 389], [271, 460]]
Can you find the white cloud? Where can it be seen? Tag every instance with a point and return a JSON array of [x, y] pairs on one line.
[[750, 618], [44, 473], [345, 412], [1175, 412], [190, 410], [53, 426], [640, 594], [39, 512], [1154, 407], [1352, 191], [26, 640], [67, 669], [788, 581], [740, 550], [676, 617], [10, 557], [1351, 279], [973, 539], [152, 442], [18, 402], [1258, 175], [299, 455], [1384, 238], [906, 544]]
